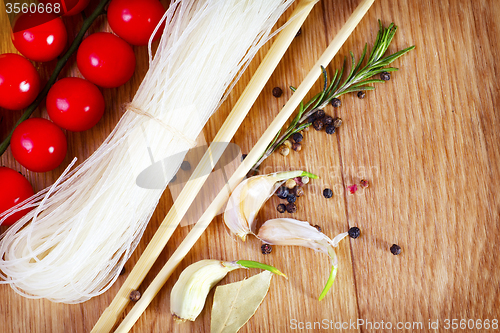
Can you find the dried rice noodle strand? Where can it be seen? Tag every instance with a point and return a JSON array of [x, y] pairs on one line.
[[72, 246]]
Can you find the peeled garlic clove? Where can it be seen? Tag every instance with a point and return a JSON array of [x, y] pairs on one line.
[[286, 231], [249, 196], [189, 293]]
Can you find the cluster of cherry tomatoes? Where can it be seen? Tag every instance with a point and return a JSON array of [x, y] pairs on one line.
[[104, 59]]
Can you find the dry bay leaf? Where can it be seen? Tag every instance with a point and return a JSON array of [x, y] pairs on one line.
[[235, 303]]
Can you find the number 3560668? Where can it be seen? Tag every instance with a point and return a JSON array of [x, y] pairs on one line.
[[32, 8]]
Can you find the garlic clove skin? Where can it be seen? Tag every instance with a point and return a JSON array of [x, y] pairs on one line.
[[249, 196], [287, 231], [189, 293]]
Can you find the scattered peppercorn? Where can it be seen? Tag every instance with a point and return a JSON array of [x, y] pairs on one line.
[[174, 178], [386, 76], [361, 94], [281, 208], [290, 183], [282, 192], [288, 144], [336, 102], [299, 32], [305, 180], [291, 198], [364, 183], [266, 248], [327, 120], [298, 181], [318, 227], [327, 193], [353, 188], [354, 232], [395, 249], [330, 129], [318, 124], [319, 114], [291, 208], [243, 156], [277, 92], [185, 165], [311, 118], [284, 151], [297, 137], [297, 146], [123, 271], [299, 192], [135, 295], [337, 122]]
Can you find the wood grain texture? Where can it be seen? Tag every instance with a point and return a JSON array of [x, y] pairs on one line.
[[427, 141]]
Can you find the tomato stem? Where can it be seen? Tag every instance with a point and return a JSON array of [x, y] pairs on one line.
[[60, 65]]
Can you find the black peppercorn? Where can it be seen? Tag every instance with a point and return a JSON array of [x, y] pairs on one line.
[[395, 249], [327, 193], [354, 232], [297, 137], [336, 102], [135, 295], [311, 118], [291, 198], [318, 227], [318, 124], [386, 76], [282, 192], [277, 92], [361, 94], [174, 178], [281, 208], [243, 156], [299, 32], [185, 165], [328, 120], [291, 208], [319, 114], [266, 248], [330, 129], [337, 122], [123, 271]]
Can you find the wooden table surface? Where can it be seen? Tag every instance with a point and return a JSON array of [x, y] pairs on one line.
[[427, 141]]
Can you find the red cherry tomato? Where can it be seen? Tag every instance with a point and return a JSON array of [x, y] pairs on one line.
[[39, 36], [14, 188], [135, 21], [106, 60], [19, 82], [38, 145], [75, 104], [68, 7]]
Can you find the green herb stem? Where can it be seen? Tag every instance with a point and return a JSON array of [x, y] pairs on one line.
[[358, 79], [256, 264], [59, 66]]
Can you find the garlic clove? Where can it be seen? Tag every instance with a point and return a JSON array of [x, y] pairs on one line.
[[189, 293], [249, 196], [286, 231]]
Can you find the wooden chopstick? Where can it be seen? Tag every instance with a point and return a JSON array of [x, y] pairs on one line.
[[243, 169], [205, 166]]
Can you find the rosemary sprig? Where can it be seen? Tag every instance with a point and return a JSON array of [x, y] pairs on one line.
[[59, 66], [358, 79]]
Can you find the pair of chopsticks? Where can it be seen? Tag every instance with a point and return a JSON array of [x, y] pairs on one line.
[[202, 171]]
